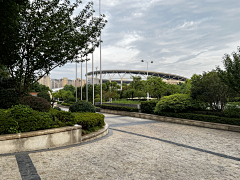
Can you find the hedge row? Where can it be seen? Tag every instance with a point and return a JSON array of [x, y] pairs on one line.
[[148, 106], [21, 118], [89, 120], [119, 108], [201, 117]]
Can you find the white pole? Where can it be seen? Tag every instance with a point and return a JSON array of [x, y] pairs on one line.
[[100, 58], [92, 68], [86, 82], [76, 82], [81, 78]]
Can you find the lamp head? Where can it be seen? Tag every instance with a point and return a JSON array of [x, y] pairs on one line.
[[142, 60], [151, 61]]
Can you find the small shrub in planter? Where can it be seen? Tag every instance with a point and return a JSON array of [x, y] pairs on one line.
[[36, 103], [82, 106]]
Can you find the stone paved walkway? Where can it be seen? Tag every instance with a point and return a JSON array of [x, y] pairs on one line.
[[136, 149]]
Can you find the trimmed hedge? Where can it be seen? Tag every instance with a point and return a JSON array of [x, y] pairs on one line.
[[89, 120], [119, 108], [21, 118], [36, 103], [148, 106], [200, 117], [82, 106]]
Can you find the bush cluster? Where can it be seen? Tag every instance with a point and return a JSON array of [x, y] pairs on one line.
[[22, 118], [232, 111], [66, 104], [36, 103], [148, 106], [82, 106], [201, 117], [177, 103], [119, 108], [89, 120]]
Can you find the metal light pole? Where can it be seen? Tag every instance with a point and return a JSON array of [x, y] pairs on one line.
[[147, 75], [100, 58]]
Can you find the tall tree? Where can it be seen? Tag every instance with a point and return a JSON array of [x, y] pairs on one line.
[[209, 88], [155, 86], [49, 36], [231, 75]]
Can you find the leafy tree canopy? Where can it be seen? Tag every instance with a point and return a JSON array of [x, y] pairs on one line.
[[231, 75], [49, 36], [69, 88]]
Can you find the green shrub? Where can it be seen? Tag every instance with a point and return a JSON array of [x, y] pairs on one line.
[[232, 111], [89, 120], [72, 99], [44, 95], [201, 117], [57, 108], [22, 118], [36, 103], [148, 106], [177, 103], [119, 108], [82, 106]]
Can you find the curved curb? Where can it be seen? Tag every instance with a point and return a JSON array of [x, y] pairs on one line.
[[92, 137], [95, 135], [226, 127]]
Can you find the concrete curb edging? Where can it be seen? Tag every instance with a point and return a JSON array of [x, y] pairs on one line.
[[47, 139], [226, 127], [95, 135]]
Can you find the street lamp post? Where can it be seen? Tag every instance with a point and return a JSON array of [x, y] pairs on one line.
[[100, 58], [147, 75]]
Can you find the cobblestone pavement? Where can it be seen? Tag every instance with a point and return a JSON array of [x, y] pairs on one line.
[[140, 149]]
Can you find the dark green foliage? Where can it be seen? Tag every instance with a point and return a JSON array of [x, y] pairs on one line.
[[98, 100], [232, 111], [36, 103], [21, 118], [148, 106], [57, 108], [119, 108], [177, 103], [82, 106], [44, 95], [200, 117], [89, 120], [8, 95], [65, 117], [212, 113], [65, 104]]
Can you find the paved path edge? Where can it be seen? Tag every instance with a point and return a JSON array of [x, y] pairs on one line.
[[205, 124]]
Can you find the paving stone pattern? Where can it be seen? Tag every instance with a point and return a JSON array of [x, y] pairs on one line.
[[141, 150]]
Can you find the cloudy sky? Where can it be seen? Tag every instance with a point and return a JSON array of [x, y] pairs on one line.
[[180, 36]]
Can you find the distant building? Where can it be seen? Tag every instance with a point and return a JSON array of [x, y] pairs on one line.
[[79, 82], [95, 81], [45, 80]]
